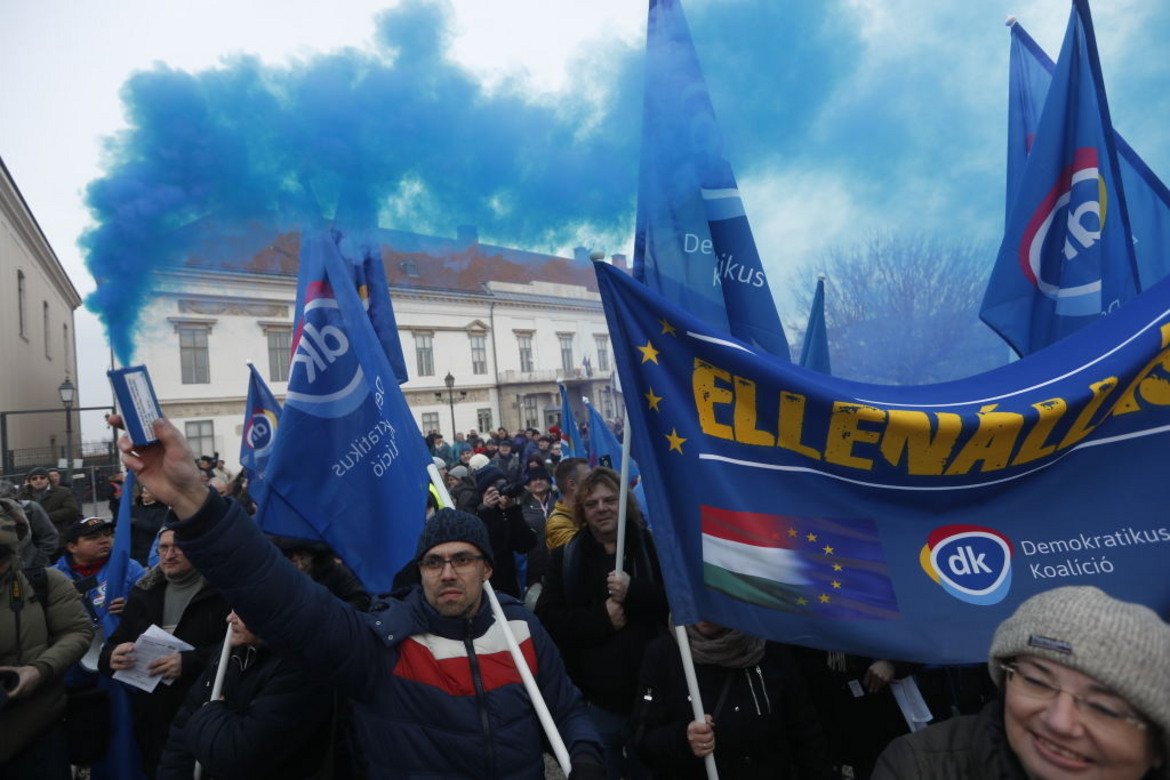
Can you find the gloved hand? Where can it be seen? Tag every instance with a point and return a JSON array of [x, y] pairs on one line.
[[586, 766]]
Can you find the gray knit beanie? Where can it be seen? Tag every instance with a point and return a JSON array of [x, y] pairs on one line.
[[451, 525], [1122, 645]]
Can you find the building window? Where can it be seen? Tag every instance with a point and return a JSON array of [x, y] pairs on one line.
[[602, 352], [193, 355], [525, 342], [430, 422], [45, 327], [65, 344], [528, 411], [20, 293], [566, 340], [483, 420], [278, 353], [479, 354], [424, 353], [201, 436]]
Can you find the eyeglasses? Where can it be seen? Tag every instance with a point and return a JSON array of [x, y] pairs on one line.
[[1098, 708], [460, 562], [608, 501]]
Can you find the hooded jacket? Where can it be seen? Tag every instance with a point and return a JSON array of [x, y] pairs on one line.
[[50, 636]]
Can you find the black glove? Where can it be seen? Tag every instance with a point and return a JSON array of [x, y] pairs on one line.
[[586, 766]]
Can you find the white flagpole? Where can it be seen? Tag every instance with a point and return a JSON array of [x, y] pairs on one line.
[[623, 501], [217, 686], [684, 650], [538, 703]]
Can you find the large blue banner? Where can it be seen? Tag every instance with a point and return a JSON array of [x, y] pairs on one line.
[[1146, 197], [1067, 253], [692, 241], [896, 522], [349, 462]]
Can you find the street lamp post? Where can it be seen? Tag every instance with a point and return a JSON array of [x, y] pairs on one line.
[[66, 390], [449, 381]]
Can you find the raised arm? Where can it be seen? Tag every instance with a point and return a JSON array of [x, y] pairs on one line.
[[294, 614]]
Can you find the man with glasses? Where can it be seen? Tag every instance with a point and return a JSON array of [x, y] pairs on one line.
[[434, 690], [59, 502], [176, 598], [1085, 692]]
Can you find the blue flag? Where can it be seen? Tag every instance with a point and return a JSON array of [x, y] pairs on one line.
[[370, 276], [349, 462], [1146, 197], [1067, 253], [261, 420], [119, 560], [604, 449], [895, 522], [815, 353], [692, 240], [571, 446]]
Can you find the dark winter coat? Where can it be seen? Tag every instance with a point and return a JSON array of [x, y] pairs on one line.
[[145, 522], [765, 725], [61, 505], [972, 747], [202, 626], [273, 722], [603, 661], [432, 696], [507, 533]]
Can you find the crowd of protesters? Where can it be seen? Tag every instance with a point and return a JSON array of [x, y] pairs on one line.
[[324, 680]]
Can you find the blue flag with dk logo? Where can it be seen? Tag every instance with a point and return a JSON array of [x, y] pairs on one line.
[[349, 463]]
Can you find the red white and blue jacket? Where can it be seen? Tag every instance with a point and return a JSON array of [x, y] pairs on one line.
[[433, 696]]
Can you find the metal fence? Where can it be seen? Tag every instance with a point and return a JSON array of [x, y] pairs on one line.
[[90, 482]]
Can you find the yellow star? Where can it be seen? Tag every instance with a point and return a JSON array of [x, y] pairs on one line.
[[811, 537], [837, 567], [652, 400], [824, 598], [836, 585], [792, 532], [802, 601], [675, 440], [828, 550], [667, 328], [649, 354]]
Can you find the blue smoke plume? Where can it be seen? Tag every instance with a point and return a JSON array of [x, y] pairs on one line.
[[401, 136]]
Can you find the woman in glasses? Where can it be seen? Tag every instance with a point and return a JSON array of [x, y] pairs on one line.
[[1084, 685]]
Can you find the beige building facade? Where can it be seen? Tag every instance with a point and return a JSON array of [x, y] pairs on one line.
[[505, 342], [37, 342]]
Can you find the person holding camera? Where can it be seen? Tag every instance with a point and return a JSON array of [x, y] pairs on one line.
[[502, 515], [43, 631]]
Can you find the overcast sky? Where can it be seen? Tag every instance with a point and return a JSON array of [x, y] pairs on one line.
[[842, 118]]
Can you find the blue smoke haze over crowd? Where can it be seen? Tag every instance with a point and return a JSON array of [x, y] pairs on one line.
[[839, 122]]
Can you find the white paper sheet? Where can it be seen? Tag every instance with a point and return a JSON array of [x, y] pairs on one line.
[[153, 643]]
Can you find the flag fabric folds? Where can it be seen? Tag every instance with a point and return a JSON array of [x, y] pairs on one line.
[[571, 446], [1146, 197], [349, 463], [261, 421], [119, 560], [692, 242], [374, 291], [895, 522], [815, 352], [1067, 254], [604, 449]]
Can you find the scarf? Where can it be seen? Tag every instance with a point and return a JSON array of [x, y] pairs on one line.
[[730, 648]]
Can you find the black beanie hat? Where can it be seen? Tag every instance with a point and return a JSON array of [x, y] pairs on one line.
[[451, 525], [488, 476]]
